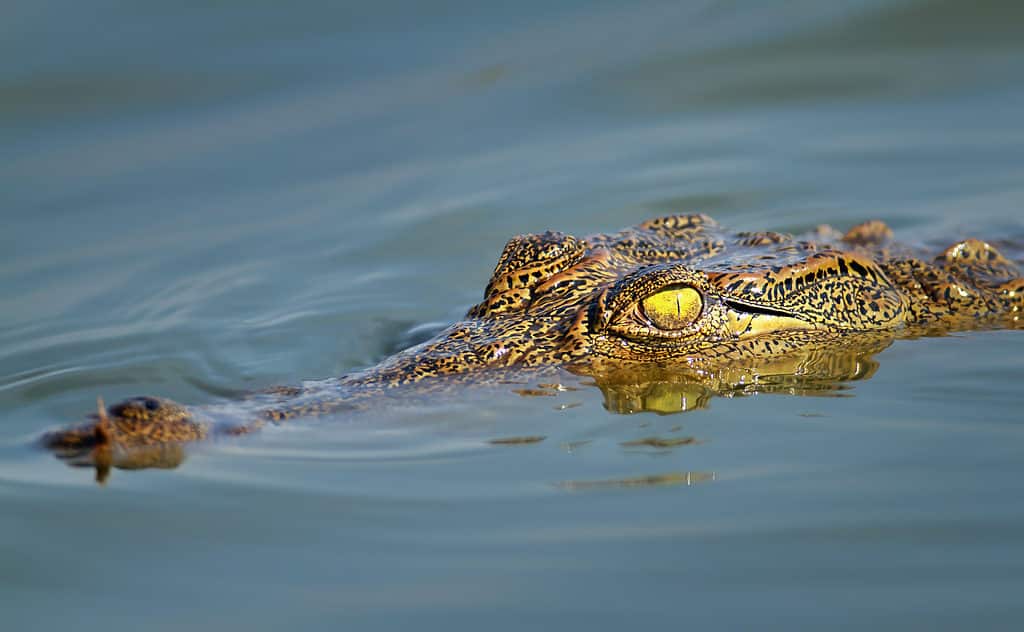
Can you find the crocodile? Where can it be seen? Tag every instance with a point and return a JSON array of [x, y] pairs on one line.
[[681, 294]]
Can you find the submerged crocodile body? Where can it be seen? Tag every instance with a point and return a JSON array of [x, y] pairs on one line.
[[676, 292]]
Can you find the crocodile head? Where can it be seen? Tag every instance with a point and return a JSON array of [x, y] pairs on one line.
[[673, 291], [660, 316]]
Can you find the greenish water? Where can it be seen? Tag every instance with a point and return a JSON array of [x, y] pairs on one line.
[[204, 198]]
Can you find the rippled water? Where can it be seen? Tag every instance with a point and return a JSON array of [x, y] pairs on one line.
[[201, 199]]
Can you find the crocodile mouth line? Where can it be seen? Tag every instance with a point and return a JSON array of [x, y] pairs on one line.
[[750, 320], [758, 310]]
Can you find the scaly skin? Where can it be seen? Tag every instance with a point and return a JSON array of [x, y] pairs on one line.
[[676, 293]]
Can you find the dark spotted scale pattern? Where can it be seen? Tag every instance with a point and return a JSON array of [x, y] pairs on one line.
[[556, 300]]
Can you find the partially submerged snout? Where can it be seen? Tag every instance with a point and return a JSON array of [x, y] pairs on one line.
[[137, 433], [132, 423]]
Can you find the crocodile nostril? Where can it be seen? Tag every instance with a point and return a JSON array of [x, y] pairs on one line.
[[151, 404]]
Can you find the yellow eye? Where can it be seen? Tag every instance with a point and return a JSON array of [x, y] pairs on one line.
[[675, 308]]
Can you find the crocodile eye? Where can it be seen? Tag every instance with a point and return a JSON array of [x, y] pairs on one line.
[[674, 308]]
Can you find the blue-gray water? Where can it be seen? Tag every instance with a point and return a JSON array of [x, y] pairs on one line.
[[204, 198]]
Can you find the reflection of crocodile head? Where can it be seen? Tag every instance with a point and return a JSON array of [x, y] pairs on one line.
[[660, 315], [813, 370]]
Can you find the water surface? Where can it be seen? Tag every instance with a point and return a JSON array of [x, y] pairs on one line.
[[201, 200]]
